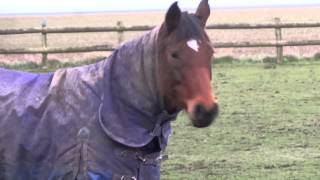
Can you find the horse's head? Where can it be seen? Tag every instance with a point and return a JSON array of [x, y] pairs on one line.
[[185, 54]]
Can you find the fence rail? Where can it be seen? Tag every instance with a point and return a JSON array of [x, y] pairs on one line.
[[111, 48], [278, 43], [146, 28]]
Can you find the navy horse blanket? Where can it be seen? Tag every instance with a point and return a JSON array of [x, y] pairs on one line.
[[101, 121]]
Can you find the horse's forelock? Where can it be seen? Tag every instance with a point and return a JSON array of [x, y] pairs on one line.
[[189, 27]]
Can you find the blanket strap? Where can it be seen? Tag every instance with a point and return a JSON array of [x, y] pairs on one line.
[[162, 118]]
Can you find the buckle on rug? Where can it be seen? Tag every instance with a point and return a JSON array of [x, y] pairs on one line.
[[150, 159], [128, 178], [123, 177]]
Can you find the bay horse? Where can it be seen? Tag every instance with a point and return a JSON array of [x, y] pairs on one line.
[[111, 119]]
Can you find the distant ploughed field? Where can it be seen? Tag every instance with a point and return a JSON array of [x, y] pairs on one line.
[[303, 14]]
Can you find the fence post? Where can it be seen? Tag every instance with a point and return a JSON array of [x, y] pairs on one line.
[[278, 34], [120, 32], [44, 41]]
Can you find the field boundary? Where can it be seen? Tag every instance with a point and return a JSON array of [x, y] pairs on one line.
[[278, 43]]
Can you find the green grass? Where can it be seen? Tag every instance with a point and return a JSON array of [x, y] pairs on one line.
[[268, 128]]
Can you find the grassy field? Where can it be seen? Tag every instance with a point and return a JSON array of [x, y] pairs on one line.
[[262, 15], [268, 128]]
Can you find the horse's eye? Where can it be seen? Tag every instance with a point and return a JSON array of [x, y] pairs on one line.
[[175, 55]]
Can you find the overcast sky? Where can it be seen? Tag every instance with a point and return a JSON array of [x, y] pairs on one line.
[[55, 6]]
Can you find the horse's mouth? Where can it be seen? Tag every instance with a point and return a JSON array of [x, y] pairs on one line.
[[201, 118]]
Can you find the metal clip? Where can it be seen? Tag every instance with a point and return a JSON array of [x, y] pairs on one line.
[[142, 158], [163, 157], [128, 178]]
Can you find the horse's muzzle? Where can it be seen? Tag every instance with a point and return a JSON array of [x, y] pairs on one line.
[[201, 117]]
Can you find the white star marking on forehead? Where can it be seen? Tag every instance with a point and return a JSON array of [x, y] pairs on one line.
[[193, 44]]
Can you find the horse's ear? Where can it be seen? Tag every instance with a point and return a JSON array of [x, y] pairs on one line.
[[173, 17], [203, 12]]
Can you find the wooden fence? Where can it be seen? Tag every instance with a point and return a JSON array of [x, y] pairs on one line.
[[278, 43]]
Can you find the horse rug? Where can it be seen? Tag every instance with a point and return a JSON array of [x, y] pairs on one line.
[[100, 121]]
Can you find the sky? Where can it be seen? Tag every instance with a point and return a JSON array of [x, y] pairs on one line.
[[63, 6]]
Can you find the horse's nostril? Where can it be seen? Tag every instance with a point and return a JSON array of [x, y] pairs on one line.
[[204, 117], [199, 109]]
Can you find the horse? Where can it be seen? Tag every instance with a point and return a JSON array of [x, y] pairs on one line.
[[111, 119]]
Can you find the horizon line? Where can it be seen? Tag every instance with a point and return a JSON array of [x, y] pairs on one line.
[[155, 10]]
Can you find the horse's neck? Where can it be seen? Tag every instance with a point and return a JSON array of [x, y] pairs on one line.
[[140, 50], [133, 66]]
